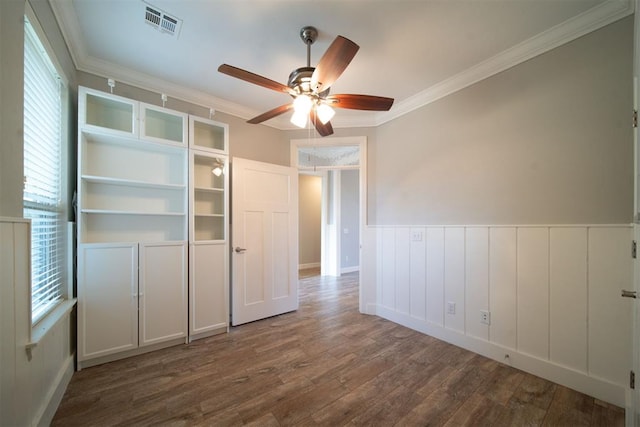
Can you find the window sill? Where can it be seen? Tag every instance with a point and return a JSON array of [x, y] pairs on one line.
[[48, 322]]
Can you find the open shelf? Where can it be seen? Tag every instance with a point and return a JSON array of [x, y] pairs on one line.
[[209, 227], [137, 213], [208, 190], [112, 227], [127, 160], [130, 183]]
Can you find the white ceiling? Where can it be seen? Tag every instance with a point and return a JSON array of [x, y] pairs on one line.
[[413, 51]]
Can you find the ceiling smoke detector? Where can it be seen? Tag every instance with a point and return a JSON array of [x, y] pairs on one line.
[[162, 21]]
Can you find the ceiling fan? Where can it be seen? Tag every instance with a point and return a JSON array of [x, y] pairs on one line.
[[310, 86]]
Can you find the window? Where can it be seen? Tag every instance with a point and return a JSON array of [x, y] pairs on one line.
[[44, 177]]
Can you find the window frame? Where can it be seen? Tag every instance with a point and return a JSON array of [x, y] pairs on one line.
[[66, 290]]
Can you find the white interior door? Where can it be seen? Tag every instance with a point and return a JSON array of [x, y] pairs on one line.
[[264, 233]]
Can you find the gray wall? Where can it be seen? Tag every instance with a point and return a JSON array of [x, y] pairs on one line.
[[349, 218], [309, 219], [11, 104], [548, 141]]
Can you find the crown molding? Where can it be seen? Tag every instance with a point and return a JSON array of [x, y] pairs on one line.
[[173, 90], [573, 28], [69, 26], [67, 19]]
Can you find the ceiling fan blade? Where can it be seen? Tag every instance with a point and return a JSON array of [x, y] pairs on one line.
[[250, 77], [271, 114], [360, 102], [333, 62], [323, 129]]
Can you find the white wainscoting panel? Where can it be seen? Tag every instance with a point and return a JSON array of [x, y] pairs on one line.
[[435, 275], [552, 291], [454, 277], [387, 265], [568, 297], [533, 291], [503, 280], [477, 280], [417, 275], [31, 382], [403, 270]]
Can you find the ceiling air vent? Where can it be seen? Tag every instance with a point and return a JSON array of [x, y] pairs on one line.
[[162, 21]]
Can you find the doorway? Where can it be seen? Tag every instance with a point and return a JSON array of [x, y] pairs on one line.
[[340, 164]]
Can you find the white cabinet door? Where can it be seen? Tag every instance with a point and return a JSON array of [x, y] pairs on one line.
[[107, 299], [163, 292], [208, 294]]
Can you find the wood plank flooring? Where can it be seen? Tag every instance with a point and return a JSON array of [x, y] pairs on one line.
[[325, 364]]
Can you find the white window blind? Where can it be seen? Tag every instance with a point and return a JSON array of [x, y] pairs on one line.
[[43, 175]]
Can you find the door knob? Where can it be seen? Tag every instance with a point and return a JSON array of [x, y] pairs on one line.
[[239, 249]]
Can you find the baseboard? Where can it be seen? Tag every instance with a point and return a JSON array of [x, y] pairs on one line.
[[221, 329], [350, 269], [576, 380], [308, 265], [87, 363], [50, 406]]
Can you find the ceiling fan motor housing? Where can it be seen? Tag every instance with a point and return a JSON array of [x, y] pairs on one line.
[[300, 80], [308, 35]]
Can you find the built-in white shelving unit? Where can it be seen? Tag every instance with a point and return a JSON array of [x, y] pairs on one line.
[[208, 213], [152, 213]]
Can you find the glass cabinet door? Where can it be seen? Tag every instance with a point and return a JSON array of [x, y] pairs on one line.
[[208, 135], [209, 197], [162, 124], [107, 113]]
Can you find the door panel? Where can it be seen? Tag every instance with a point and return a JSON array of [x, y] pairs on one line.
[[253, 228], [265, 238], [281, 250]]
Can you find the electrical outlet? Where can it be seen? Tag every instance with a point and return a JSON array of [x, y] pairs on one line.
[[451, 307], [416, 236], [485, 317]]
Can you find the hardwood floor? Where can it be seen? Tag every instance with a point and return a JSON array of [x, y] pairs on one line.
[[325, 364]]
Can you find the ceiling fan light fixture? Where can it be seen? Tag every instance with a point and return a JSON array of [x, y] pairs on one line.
[[325, 113], [299, 118], [302, 104]]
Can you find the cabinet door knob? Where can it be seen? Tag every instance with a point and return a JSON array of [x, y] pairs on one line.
[[240, 250]]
